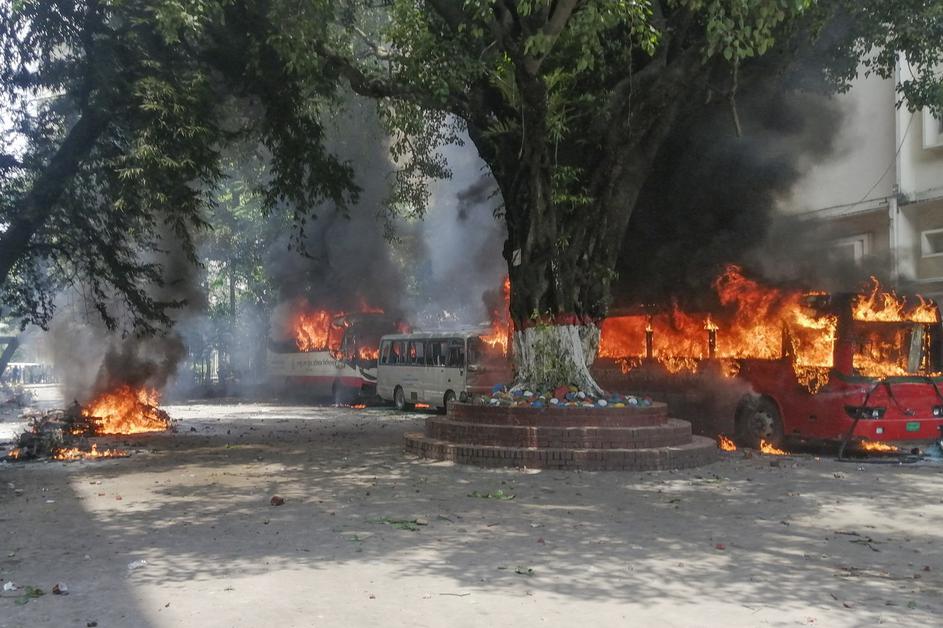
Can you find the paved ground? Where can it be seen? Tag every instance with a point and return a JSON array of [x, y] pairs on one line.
[[739, 543]]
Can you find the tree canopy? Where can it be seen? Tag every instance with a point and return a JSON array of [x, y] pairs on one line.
[[570, 101], [118, 112], [122, 107]]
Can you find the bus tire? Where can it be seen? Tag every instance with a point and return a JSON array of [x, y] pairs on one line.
[[399, 399], [448, 398], [758, 419]]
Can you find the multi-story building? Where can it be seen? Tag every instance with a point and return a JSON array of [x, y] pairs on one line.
[[880, 194]]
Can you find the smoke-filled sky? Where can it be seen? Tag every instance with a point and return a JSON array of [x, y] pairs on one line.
[[713, 196]]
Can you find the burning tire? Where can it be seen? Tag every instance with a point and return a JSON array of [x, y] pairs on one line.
[[758, 419], [399, 399]]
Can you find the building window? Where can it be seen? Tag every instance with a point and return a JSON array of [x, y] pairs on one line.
[[932, 130], [931, 243], [851, 249]]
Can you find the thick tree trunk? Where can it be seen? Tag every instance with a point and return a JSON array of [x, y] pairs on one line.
[[547, 356], [561, 263]]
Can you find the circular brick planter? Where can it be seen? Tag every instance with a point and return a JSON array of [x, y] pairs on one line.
[[629, 438]]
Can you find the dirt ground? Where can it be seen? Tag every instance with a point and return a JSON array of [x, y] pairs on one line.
[[802, 540]]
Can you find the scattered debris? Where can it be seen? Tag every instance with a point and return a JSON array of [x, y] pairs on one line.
[[412, 525], [277, 501], [60, 588], [29, 593], [498, 494], [136, 564]]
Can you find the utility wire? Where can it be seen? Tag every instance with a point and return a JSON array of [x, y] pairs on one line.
[[893, 160]]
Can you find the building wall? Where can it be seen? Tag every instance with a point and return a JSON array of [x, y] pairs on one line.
[[863, 158], [925, 217], [883, 184], [920, 161]]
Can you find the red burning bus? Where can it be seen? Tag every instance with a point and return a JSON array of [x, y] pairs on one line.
[[331, 354], [780, 366]]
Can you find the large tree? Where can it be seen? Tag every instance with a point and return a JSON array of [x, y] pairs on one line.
[[569, 103], [117, 113]]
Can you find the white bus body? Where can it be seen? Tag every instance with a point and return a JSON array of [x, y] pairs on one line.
[[435, 368], [347, 373], [321, 374]]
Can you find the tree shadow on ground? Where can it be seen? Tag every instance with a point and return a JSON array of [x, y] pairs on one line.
[[789, 537]]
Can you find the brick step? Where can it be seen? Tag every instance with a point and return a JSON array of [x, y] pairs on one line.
[[656, 414], [699, 451], [672, 432]]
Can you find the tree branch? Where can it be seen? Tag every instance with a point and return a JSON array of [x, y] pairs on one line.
[[375, 87], [35, 208]]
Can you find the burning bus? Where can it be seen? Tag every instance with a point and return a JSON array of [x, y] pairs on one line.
[[330, 353], [778, 365]]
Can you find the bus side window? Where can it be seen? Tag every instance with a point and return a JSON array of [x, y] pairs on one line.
[[437, 353], [456, 355], [396, 352], [418, 353], [430, 353], [385, 352]]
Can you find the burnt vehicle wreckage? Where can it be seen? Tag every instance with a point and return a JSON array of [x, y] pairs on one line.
[[789, 367]]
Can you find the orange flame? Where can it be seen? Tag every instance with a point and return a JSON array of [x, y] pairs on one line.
[[500, 331], [763, 322], [877, 446], [323, 330], [313, 331], [369, 353], [74, 453], [725, 443], [422, 406], [768, 448], [14, 454], [887, 307], [125, 410]]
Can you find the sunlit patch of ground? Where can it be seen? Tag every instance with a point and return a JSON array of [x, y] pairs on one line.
[[367, 536]]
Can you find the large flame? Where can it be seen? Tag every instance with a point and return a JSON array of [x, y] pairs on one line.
[[763, 322], [125, 410], [500, 331], [317, 329], [313, 331], [887, 307]]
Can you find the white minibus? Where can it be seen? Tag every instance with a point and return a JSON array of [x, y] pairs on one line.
[[435, 368]]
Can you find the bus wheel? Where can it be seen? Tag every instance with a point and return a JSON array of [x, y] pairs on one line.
[[758, 420], [447, 399], [399, 399]]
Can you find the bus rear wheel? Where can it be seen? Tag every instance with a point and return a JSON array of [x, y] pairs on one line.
[[399, 399], [758, 419], [447, 399]]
